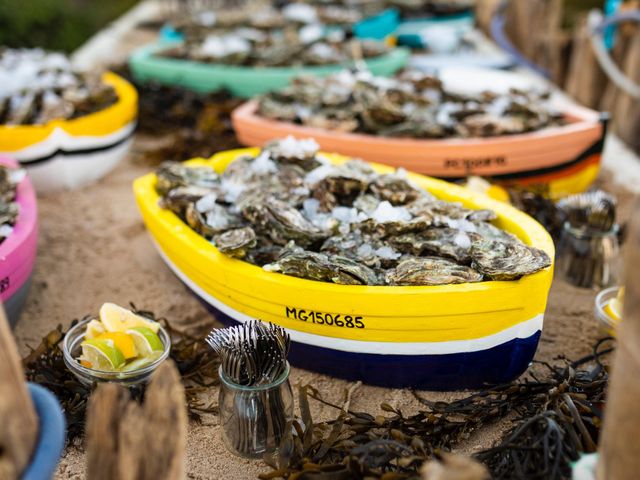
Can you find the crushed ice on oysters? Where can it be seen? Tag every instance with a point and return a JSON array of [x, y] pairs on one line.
[[290, 210], [412, 104], [37, 87]]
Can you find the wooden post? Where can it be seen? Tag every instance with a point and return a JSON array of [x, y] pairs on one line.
[[586, 82], [626, 113], [129, 441], [18, 418], [619, 459], [484, 11]]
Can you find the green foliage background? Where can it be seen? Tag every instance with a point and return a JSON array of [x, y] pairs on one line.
[[56, 24]]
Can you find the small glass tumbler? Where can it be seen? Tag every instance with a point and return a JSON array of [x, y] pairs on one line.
[[256, 420], [587, 258]]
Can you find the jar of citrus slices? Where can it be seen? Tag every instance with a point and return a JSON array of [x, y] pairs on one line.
[[118, 346]]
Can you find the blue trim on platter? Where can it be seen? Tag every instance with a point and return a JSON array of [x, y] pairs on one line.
[[458, 371]]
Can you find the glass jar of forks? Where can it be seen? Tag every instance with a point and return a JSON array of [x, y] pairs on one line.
[[256, 420]]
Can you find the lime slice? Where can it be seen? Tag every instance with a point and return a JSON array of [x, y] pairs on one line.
[[94, 329], [146, 341], [141, 362], [122, 342], [118, 319], [102, 354]]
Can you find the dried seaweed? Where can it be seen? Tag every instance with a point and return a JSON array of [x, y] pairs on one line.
[[191, 124], [556, 418], [197, 365]]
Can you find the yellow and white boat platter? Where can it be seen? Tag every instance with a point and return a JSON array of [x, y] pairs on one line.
[[71, 153], [436, 337]]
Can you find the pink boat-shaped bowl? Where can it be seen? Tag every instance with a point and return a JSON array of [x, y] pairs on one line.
[[18, 251]]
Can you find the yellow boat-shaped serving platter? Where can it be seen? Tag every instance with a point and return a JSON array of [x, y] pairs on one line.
[[70, 153], [436, 337]]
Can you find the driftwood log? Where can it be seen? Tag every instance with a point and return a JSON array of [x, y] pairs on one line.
[[619, 447], [129, 441], [18, 419]]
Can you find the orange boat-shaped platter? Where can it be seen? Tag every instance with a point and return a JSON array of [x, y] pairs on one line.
[[557, 160]]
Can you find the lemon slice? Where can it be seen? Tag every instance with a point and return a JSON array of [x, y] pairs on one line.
[[94, 329], [141, 362], [102, 354], [614, 309], [146, 341], [118, 319], [122, 342]]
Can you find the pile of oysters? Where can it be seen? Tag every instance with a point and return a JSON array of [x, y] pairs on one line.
[[290, 210], [10, 178], [412, 104], [37, 87], [293, 36]]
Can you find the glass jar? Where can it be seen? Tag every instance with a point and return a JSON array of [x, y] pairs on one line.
[[255, 420], [588, 258], [72, 348]]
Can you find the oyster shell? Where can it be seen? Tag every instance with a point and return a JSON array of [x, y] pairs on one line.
[[395, 189], [171, 175], [362, 248], [282, 223], [443, 242], [322, 267], [214, 220], [237, 242], [500, 260], [431, 271]]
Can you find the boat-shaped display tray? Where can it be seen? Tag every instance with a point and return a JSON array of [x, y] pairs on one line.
[[560, 160], [435, 337], [70, 153], [240, 81], [18, 250]]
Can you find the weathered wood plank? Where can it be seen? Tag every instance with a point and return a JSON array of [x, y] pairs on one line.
[[18, 419]]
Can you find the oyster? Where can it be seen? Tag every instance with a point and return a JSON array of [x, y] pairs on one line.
[[395, 189], [282, 223], [212, 220], [431, 271], [322, 267], [362, 248], [236, 243], [443, 242], [500, 260], [171, 175], [451, 214]]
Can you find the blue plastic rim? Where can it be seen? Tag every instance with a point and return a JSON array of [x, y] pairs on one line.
[[458, 371], [52, 434]]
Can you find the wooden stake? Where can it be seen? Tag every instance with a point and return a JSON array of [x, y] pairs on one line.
[[165, 425], [586, 81], [104, 415], [129, 441], [626, 113], [18, 418], [619, 459]]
